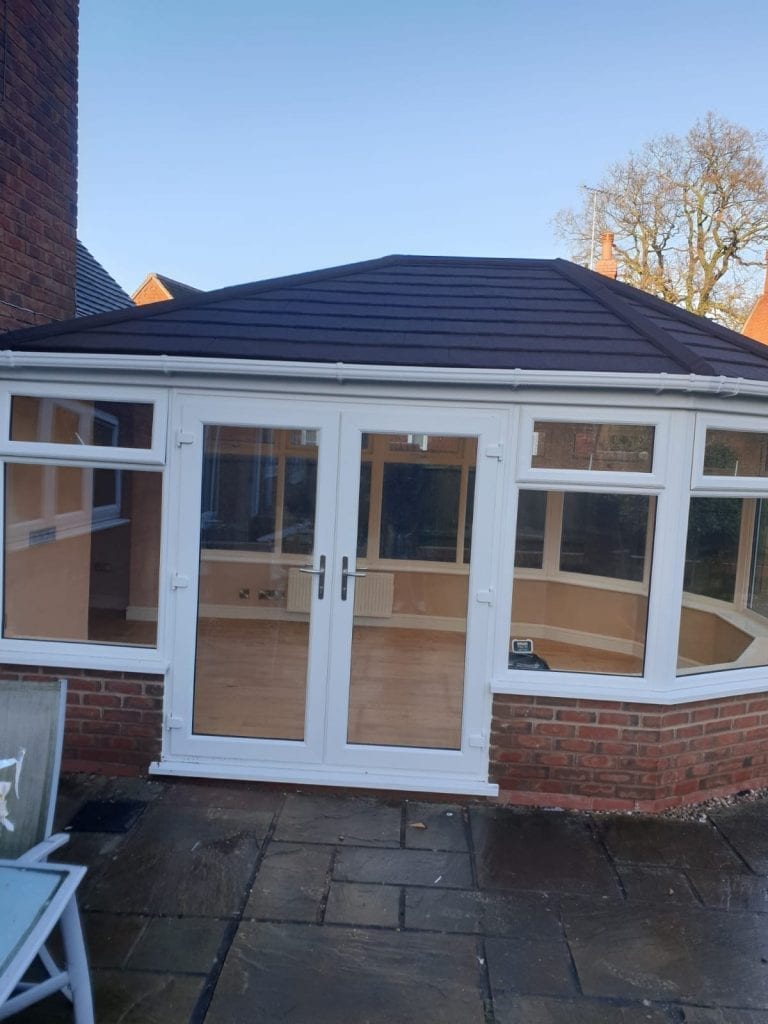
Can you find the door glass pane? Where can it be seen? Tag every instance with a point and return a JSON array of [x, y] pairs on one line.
[[410, 612], [257, 527]]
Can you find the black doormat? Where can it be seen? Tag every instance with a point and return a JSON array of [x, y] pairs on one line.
[[107, 816]]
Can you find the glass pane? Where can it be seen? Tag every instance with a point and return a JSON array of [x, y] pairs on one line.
[[735, 453], [364, 506], [420, 512], [596, 623], [257, 527], [409, 632], [74, 421], [531, 517], [757, 598], [82, 554], [722, 623], [603, 447], [604, 535], [712, 547]]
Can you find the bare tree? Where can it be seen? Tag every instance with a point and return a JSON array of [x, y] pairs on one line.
[[690, 216]]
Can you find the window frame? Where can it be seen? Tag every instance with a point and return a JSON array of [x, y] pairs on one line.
[[80, 653], [742, 486]]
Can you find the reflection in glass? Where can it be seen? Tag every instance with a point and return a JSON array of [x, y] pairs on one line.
[[78, 421], [735, 453], [599, 447], [410, 611], [82, 553], [581, 580], [257, 526]]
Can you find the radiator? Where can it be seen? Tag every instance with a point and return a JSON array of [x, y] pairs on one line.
[[374, 593]]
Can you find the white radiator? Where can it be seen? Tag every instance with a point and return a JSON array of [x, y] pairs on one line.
[[374, 593]]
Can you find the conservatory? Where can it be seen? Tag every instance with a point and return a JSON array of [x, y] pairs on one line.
[[440, 525]]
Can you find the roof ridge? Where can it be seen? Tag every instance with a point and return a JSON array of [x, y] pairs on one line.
[[669, 346]]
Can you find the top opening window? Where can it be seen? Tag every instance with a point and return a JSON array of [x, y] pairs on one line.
[[736, 453], [595, 447], [83, 422]]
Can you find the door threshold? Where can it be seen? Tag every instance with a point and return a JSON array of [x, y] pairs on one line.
[[354, 779]]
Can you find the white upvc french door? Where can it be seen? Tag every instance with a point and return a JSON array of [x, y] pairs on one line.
[[332, 591]]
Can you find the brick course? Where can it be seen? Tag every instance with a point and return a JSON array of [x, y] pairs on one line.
[[114, 719], [596, 755], [38, 162]]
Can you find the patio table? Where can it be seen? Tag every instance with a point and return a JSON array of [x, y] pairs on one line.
[[33, 899]]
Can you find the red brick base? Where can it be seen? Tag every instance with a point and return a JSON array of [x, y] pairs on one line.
[[114, 719], [598, 755]]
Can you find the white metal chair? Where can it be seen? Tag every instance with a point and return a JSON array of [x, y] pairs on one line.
[[31, 738]]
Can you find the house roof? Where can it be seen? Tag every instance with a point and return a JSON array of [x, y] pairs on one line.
[[756, 326], [159, 288], [96, 291], [424, 311]]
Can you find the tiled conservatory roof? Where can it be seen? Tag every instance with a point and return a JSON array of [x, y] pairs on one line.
[[424, 311]]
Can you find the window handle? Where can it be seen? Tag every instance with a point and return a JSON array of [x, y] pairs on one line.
[[320, 573], [346, 572]]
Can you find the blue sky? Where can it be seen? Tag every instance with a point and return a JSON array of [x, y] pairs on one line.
[[232, 141]]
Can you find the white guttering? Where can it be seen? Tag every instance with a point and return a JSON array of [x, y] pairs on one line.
[[350, 372]]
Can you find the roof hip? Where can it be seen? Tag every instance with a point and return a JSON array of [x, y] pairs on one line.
[[616, 304]]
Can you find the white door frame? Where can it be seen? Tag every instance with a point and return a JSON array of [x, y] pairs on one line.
[[324, 756]]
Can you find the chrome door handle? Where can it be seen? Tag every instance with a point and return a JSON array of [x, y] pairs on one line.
[[319, 572], [346, 572]]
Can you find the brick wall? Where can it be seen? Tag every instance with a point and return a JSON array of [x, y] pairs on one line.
[[38, 161], [598, 755], [114, 719]]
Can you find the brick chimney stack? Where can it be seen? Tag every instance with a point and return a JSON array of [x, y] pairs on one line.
[[607, 265], [38, 179], [756, 326]]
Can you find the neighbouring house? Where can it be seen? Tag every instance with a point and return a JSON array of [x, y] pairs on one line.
[[756, 325], [431, 524], [159, 288]]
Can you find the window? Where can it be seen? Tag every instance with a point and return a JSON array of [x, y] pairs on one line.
[[57, 420], [595, 447]]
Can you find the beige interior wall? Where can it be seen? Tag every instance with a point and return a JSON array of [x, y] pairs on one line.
[[143, 511], [706, 639], [584, 609], [430, 593], [47, 589], [222, 582]]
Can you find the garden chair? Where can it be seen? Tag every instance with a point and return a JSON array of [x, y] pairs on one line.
[[31, 736]]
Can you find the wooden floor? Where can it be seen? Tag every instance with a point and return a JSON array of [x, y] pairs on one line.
[[406, 685]]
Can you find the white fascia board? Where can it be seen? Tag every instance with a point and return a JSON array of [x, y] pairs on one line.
[[343, 372]]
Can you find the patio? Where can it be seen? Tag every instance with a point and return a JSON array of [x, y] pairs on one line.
[[226, 903]]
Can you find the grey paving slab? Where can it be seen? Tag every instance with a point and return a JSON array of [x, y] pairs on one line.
[[445, 827], [746, 828], [707, 1015], [300, 974], [363, 905], [404, 867], [656, 884], [731, 892], [291, 882], [191, 862], [669, 954], [542, 851], [663, 841], [109, 938], [476, 912], [242, 796], [532, 961], [355, 821], [177, 945], [511, 1009], [129, 997]]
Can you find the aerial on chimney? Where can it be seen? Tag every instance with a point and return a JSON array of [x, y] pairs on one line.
[[607, 265]]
